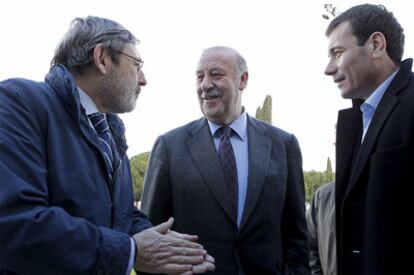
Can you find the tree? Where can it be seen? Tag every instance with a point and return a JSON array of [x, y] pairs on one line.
[[265, 113], [329, 175], [138, 168], [314, 179], [331, 11]]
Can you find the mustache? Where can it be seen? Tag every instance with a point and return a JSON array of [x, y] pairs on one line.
[[214, 92]]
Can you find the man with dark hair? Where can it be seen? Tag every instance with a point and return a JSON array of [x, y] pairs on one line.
[[375, 142], [235, 181], [66, 200]]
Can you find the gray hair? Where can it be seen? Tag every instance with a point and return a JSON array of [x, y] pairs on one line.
[[75, 51], [241, 62]]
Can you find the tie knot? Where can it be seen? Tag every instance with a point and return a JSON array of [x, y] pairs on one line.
[[225, 131], [99, 122]]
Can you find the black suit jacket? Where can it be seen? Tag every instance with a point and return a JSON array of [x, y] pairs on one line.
[[375, 184], [184, 180]]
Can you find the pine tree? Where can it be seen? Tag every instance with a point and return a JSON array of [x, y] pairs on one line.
[[329, 175], [265, 113]]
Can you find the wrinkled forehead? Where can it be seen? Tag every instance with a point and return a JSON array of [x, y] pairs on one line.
[[217, 59]]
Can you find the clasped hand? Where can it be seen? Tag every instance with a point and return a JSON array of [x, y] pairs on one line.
[[161, 250]]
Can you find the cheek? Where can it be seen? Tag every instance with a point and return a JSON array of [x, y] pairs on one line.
[[135, 78], [342, 64], [199, 90]]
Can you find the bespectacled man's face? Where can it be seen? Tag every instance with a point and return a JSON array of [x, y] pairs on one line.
[[121, 87]]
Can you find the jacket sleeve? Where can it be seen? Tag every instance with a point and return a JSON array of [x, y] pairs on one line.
[[36, 237], [294, 227], [156, 198], [312, 219]]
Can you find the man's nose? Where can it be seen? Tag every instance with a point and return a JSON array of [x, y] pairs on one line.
[[142, 81], [206, 84], [331, 68]]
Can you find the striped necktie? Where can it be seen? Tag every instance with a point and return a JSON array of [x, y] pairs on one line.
[[101, 126], [228, 164]]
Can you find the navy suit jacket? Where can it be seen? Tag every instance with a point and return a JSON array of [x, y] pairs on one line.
[[60, 212], [184, 180]]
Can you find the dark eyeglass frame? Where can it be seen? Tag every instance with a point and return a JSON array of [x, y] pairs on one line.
[[139, 61]]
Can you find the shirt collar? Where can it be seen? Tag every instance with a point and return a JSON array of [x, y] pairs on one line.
[[374, 99], [239, 125], [87, 102]]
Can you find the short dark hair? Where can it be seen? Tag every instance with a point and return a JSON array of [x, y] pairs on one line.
[[75, 51], [367, 19]]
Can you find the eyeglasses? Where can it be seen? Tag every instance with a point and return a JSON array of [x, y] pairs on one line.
[[139, 61]]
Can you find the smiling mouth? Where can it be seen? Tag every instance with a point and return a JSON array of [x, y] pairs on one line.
[[210, 97], [339, 79]]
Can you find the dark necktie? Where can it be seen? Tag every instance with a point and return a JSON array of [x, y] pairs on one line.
[[228, 163], [101, 126]]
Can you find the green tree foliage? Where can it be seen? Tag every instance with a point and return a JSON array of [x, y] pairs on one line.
[[314, 179], [265, 113], [138, 168]]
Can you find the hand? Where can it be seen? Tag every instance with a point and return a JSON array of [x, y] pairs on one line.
[[160, 250], [208, 261], [206, 266]]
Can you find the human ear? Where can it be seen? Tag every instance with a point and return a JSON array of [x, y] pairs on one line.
[[100, 58], [243, 81], [378, 44]]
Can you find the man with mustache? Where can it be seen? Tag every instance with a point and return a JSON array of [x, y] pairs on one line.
[[234, 181], [66, 200], [374, 143]]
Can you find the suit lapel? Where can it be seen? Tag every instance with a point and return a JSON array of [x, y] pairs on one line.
[[259, 157], [347, 139], [384, 109], [204, 155]]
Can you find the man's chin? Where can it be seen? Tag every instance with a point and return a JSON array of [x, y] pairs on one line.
[[346, 94], [127, 108], [212, 116]]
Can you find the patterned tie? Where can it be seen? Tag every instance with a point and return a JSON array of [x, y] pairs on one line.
[[101, 126], [228, 163]]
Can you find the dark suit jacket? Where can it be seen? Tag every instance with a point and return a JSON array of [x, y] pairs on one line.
[[375, 185], [184, 180], [60, 212]]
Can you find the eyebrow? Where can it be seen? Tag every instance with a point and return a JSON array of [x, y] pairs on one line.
[[334, 48]]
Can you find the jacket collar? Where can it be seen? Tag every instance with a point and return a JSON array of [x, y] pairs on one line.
[[65, 86], [388, 102]]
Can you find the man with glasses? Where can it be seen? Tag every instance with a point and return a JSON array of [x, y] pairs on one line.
[[139, 62], [66, 200]]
